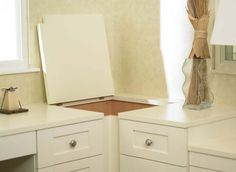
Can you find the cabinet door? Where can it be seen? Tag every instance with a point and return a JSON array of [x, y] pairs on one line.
[[18, 145], [154, 142], [94, 164], [131, 164], [68, 143]]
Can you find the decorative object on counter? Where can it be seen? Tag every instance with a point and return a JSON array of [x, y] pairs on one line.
[[10, 103], [196, 87]]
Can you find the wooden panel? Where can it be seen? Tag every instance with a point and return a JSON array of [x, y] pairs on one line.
[[75, 58], [104, 107], [111, 107], [122, 106]]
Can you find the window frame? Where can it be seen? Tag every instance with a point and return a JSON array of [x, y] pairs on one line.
[[22, 63], [221, 65]]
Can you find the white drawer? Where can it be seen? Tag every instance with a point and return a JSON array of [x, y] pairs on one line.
[[18, 145], [168, 143], [94, 164], [212, 162], [196, 169], [131, 164], [55, 145]]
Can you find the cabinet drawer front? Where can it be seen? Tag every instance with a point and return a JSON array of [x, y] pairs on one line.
[[18, 145], [212, 162], [154, 142], [196, 169], [131, 164], [67, 143], [94, 164]]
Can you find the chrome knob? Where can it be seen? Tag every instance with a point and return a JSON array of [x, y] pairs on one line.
[[73, 143], [148, 142]]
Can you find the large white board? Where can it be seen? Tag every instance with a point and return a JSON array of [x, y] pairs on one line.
[[75, 58]]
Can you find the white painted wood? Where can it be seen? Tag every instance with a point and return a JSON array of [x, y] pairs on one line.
[[174, 115], [42, 116], [54, 144], [94, 164], [75, 57], [168, 142], [212, 162], [132, 164], [214, 130], [111, 144], [196, 169], [18, 145]]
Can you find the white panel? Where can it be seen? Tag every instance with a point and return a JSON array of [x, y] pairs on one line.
[[212, 131], [54, 144], [75, 57], [111, 144], [17, 145], [94, 164], [168, 143], [212, 162], [131, 164]]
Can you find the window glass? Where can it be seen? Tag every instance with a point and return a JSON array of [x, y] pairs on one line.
[[10, 30]]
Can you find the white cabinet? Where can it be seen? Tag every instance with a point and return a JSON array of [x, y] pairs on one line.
[[156, 147], [94, 164], [61, 145], [161, 138], [132, 164], [154, 142], [68, 143], [17, 145], [51, 139]]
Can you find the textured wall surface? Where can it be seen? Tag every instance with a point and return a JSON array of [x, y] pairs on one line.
[[138, 65], [133, 30], [30, 86], [224, 89]]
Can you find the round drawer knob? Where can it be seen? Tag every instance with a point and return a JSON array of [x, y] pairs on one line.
[[73, 143], [148, 142]]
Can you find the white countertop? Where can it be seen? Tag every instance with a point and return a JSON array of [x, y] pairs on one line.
[[223, 147], [143, 99], [41, 116], [174, 115]]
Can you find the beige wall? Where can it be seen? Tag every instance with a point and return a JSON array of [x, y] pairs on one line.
[[133, 29], [138, 66]]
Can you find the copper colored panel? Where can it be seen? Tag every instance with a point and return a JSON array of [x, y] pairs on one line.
[[111, 107], [122, 106]]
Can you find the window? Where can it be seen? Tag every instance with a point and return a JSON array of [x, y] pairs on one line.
[[224, 56], [13, 35], [225, 59]]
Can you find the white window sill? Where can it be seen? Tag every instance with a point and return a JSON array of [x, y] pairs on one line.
[[19, 71]]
